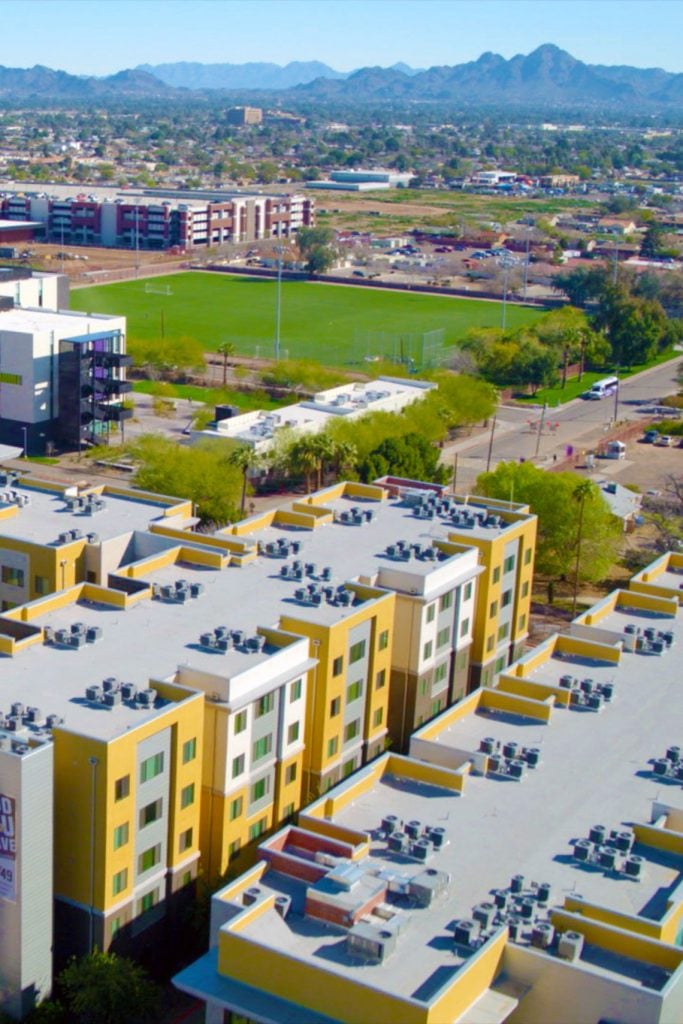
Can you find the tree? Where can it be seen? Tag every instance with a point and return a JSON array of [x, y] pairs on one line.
[[245, 458], [410, 456], [582, 284], [636, 328], [225, 349], [316, 246], [568, 332], [103, 988], [551, 497], [651, 246], [202, 473]]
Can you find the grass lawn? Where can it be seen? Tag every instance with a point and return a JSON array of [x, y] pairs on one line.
[[318, 321], [212, 396]]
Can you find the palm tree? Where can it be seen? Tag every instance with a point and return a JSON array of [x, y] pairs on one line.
[[245, 458], [581, 492], [226, 349], [304, 456], [345, 456]]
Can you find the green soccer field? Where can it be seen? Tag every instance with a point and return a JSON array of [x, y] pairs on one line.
[[333, 324]]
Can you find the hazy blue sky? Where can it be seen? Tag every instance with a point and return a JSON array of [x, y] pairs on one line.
[[101, 36]]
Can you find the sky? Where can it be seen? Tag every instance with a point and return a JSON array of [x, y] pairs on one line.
[[103, 36]]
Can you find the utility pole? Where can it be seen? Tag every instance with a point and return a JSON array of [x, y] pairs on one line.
[[526, 263], [616, 398], [488, 458], [505, 293], [540, 429]]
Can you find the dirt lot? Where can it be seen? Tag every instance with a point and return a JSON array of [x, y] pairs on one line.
[[82, 271], [647, 466]]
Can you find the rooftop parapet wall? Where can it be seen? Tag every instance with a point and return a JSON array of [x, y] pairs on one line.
[[628, 600]]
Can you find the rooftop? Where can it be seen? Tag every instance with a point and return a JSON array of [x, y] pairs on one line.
[[253, 595], [41, 516], [25, 320]]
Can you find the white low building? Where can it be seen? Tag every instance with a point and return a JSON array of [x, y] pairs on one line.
[[260, 427]]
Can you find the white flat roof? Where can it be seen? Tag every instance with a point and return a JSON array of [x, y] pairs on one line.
[[25, 320]]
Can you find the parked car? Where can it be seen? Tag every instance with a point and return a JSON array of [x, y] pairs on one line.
[[664, 441], [650, 436]]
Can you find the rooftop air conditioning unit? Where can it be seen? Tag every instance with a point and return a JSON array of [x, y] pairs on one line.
[[570, 946]]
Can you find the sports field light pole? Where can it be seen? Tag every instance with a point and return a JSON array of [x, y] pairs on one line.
[[505, 292], [278, 304]]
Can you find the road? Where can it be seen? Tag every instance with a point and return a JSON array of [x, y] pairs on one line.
[[579, 423]]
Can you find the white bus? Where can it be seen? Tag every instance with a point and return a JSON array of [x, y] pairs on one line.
[[602, 388]]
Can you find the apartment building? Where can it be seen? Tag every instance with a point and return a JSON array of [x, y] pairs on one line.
[[244, 115], [62, 377], [196, 690], [159, 218], [552, 892]]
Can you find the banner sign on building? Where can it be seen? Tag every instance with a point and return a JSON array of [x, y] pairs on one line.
[[8, 848]]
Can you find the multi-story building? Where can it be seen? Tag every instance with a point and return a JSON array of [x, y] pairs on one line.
[[22, 286], [196, 690], [62, 377], [244, 115], [552, 892], [159, 218]]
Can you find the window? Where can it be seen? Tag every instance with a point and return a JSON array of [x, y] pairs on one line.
[[290, 773], [187, 796], [377, 717], [436, 707], [338, 666], [236, 806], [189, 750], [446, 601], [185, 840], [493, 609], [354, 691], [265, 705], [357, 652], [262, 747], [500, 663], [464, 627], [527, 556], [14, 577], [332, 746], [10, 378], [423, 687], [187, 878], [237, 766], [525, 588], [295, 691], [490, 641], [509, 563], [240, 722], [443, 637], [151, 767], [335, 707], [348, 768], [293, 732], [258, 829], [234, 849], [119, 882], [149, 858], [351, 730], [383, 641], [41, 585], [504, 630], [122, 787], [116, 925], [521, 624], [506, 599], [260, 789], [427, 650], [467, 593], [288, 811], [496, 574], [120, 836], [149, 900], [440, 672], [150, 813], [380, 679], [431, 611]]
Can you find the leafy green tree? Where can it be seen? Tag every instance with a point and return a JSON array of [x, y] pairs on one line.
[[202, 473], [410, 456], [651, 247], [582, 284], [636, 328], [316, 246], [245, 458], [103, 988], [551, 497]]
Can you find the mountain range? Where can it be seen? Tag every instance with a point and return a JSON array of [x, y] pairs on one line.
[[547, 77]]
